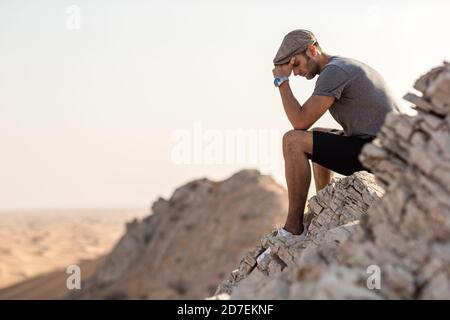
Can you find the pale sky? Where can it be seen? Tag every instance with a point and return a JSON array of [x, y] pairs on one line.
[[88, 115]]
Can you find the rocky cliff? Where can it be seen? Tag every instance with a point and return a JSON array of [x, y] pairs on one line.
[[395, 224], [189, 242]]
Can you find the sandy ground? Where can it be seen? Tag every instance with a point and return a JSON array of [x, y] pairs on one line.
[[37, 247]]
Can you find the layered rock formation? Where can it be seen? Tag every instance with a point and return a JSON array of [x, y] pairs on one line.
[[404, 236], [332, 216], [190, 241]]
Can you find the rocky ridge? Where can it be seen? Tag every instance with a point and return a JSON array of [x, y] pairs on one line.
[[190, 241]]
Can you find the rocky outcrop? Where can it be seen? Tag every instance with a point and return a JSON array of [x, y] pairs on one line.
[[402, 238], [332, 216], [190, 241]]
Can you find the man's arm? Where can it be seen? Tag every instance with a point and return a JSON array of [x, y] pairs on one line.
[[303, 117]]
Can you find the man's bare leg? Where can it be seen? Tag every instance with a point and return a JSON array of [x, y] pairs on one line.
[[296, 144], [322, 176]]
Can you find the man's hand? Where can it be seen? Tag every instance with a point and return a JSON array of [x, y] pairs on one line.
[[284, 70]]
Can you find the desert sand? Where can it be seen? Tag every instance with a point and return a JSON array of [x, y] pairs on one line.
[[37, 247]]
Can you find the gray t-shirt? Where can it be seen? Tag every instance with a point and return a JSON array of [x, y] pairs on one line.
[[362, 96]]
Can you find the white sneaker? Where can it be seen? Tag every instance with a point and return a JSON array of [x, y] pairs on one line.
[[281, 232]]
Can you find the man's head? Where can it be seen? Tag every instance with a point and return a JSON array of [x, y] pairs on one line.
[[303, 45]]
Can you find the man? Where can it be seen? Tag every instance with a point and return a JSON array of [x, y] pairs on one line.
[[356, 96]]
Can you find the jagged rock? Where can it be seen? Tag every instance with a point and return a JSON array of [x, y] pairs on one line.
[[191, 240], [405, 234], [434, 86], [331, 216]]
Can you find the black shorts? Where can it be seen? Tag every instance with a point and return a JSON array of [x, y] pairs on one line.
[[338, 153]]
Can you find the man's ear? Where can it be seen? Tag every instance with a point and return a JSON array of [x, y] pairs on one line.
[[312, 50]]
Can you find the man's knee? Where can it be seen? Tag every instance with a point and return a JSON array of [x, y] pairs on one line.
[[295, 141]]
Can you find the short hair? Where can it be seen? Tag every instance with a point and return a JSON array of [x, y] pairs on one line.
[[317, 45]]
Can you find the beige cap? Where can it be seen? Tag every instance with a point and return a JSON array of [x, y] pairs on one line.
[[293, 43]]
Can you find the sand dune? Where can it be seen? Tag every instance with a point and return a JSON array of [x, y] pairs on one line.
[[40, 245]]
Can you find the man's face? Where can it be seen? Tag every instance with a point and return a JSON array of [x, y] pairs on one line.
[[305, 66]]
